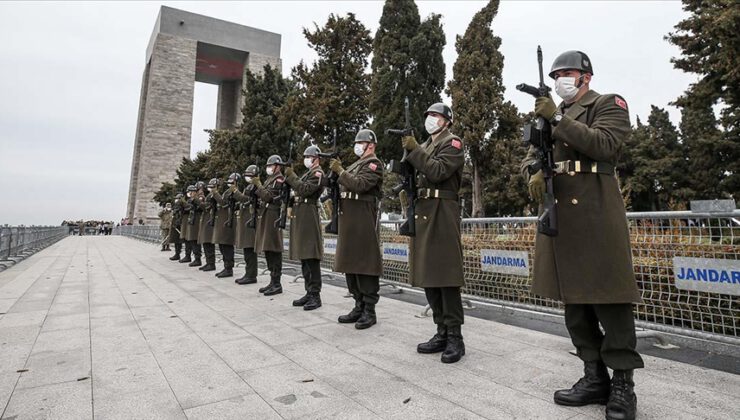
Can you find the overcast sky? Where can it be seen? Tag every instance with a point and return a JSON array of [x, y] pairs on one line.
[[71, 76]]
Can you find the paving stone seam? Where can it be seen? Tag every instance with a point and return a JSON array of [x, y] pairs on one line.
[[40, 327], [211, 286], [164, 303], [133, 317], [240, 327]]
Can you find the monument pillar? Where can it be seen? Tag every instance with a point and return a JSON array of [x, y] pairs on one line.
[[185, 48]]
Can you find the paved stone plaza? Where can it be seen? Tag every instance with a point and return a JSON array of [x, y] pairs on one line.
[[108, 327]]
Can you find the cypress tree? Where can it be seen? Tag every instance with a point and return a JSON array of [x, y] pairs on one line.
[[407, 61]]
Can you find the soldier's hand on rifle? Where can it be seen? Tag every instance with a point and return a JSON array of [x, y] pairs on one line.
[[409, 143], [537, 186], [403, 196], [336, 166], [545, 107], [233, 187], [256, 182], [289, 171]]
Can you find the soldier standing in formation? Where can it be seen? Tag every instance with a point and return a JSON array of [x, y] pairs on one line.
[[588, 265], [436, 261], [306, 242], [196, 200], [269, 236], [245, 233], [176, 226], [358, 245], [165, 223], [207, 222], [223, 233], [187, 204]]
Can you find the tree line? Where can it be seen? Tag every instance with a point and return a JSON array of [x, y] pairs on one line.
[[662, 167]]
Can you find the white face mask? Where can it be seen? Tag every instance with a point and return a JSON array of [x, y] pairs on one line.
[[566, 88], [430, 124], [308, 162], [359, 149], [270, 170], [210, 189]]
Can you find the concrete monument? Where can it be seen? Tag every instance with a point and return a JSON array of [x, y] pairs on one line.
[[185, 48]]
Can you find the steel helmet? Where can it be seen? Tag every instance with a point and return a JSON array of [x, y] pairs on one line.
[[312, 151], [233, 178], [274, 160], [441, 109], [251, 171], [366, 135], [572, 60]]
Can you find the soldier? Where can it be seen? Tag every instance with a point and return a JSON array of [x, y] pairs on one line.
[[358, 245], [176, 226], [165, 223], [305, 226], [194, 222], [207, 222], [435, 261], [187, 205], [245, 229], [588, 265], [223, 233], [269, 237]]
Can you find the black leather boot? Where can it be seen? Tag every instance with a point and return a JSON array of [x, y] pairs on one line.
[[455, 349], [314, 302], [209, 267], [352, 316], [185, 259], [275, 289], [592, 388], [301, 301], [196, 262], [238, 279], [175, 257], [268, 287], [226, 272], [246, 280], [622, 404], [435, 344], [368, 318]]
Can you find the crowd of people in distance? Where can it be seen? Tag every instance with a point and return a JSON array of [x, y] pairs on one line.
[[90, 227]]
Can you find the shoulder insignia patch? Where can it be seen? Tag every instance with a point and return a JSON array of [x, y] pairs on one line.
[[373, 166], [317, 174], [457, 144], [620, 102], [279, 180]]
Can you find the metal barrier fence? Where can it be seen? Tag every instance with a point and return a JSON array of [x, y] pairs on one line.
[[19, 242], [657, 237]]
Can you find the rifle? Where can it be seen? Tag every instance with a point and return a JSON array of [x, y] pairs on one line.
[[254, 203], [286, 202], [231, 203], [333, 186], [408, 176], [212, 210], [540, 136]]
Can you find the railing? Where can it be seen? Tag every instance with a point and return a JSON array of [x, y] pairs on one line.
[[657, 237], [19, 242]]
